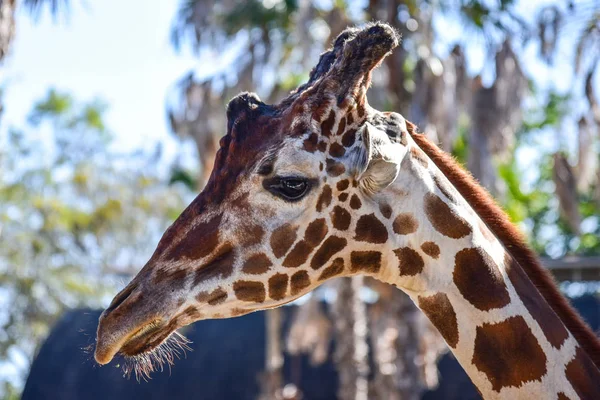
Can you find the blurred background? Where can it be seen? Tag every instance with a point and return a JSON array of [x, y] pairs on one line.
[[110, 115]]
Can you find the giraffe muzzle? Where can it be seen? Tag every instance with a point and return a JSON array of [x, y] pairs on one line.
[[131, 325], [141, 339]]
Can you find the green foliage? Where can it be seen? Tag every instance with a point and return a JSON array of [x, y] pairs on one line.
[[460, 149], [180, 175], [292, 81], [538, 208], [55, 104], [195, 23], [547, 115], [74, 217], [477, 12], [254, 13]]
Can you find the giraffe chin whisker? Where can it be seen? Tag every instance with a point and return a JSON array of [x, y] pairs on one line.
[[157, 357]]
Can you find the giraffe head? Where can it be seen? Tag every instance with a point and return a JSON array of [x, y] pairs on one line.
[[292, 201]]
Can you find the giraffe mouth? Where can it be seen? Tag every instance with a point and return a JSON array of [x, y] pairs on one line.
[[149, 347], [145, 339]]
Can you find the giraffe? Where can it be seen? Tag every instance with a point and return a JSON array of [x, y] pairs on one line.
[[322, 185]]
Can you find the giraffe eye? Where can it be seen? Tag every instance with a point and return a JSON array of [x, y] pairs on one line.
[[291, 189]]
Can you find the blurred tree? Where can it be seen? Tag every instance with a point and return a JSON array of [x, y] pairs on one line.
[[75, 215], [8, 9]]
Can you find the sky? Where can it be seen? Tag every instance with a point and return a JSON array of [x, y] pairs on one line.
[[118, 51]]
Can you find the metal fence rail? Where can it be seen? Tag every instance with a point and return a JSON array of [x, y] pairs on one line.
[[574, 268]]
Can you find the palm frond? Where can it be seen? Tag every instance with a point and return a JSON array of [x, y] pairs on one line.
[[36, 7]]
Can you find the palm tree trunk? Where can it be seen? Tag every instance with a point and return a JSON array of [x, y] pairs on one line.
[[351, 350], [7, 25], [272, 378]]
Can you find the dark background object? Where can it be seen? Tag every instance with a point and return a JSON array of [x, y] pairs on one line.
[[226, 363]]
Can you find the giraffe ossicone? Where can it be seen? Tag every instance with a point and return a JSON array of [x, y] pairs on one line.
[[320, 186]]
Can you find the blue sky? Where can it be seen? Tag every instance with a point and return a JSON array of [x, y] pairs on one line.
[[116, 50], [120, 52]]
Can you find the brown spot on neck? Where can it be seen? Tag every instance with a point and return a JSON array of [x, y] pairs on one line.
[[508, 353], [431, 249], [310, 143], [220, 264], [257, 264], [249, 291], [405, 224], [583, 375], [403, 139], [341, 127], [409, 261], [282, 239], [444, 219], [370, 229], [343, 185], [336, 268], [385, 210], [199, 242], [278, 286], [479, 280], [551, 325], [298, 255], [217, 296], [355, 203], [327, 125], [349, 118], [331, 246], [440, 312], [349, 138], [299, 282], [366, 261], [336, 150], [315, 232], [340, 218], [325, 198], [360, 110], [334, 168]]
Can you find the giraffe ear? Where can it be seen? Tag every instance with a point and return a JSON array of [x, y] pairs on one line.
[[377, 162]]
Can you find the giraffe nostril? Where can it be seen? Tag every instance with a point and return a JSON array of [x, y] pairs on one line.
[[120, 298]]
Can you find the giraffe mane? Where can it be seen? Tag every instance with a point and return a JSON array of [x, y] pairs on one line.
[[513, 241]]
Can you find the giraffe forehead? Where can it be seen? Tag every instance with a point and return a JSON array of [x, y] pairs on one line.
[[292, 158]]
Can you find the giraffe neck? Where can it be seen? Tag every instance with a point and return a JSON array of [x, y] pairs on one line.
[[500, 328]]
